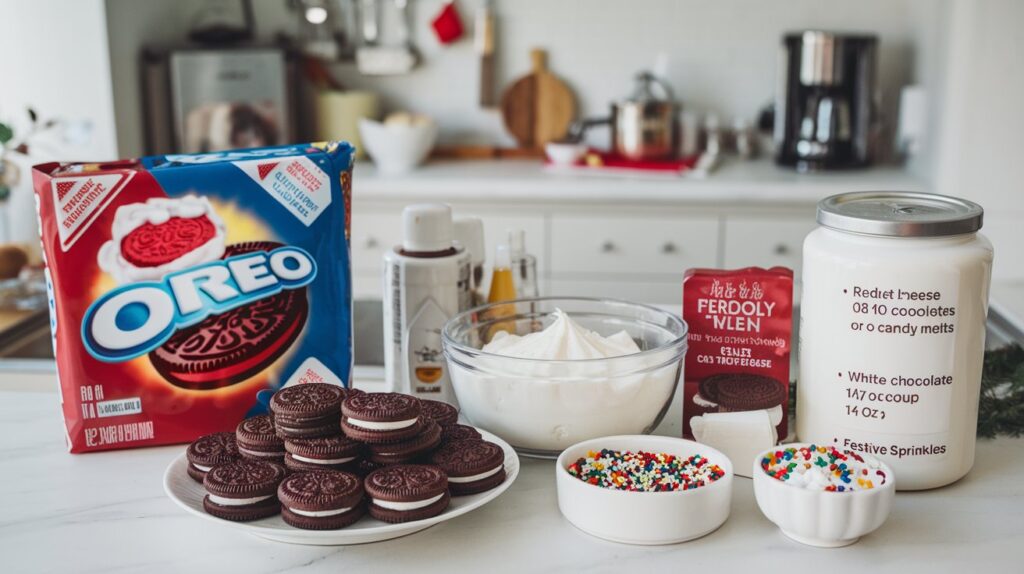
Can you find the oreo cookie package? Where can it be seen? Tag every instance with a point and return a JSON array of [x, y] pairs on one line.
[[186, 289]]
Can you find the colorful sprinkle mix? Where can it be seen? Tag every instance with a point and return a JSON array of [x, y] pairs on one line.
[[824, 468], [644, 471]]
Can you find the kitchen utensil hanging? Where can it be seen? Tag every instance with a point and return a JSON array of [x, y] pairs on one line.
[[377, 59], [539, 107]]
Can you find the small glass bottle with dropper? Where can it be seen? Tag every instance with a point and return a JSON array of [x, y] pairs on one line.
[[524, 265]]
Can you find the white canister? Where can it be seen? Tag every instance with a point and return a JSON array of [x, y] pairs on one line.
[[426, 282], [892, 331]]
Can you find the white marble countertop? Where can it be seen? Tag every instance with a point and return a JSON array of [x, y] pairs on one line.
[[107, 512], [735, 181]]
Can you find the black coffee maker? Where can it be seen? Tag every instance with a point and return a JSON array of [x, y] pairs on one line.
[[825, 108]]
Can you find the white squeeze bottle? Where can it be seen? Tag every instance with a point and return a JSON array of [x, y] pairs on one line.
[[426, 282]]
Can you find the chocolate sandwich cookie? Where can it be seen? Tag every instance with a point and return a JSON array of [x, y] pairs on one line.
[[307, 411], [743, 392], [416, 448], [321, 499], [257, 441], [208, 451], [441, 413], [336, 452], [229, 347], [458, 432], [243, 490], [381, 417], [407, 492], [472, 465]]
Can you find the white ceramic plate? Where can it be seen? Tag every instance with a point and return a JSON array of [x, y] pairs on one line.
[[189, 494]]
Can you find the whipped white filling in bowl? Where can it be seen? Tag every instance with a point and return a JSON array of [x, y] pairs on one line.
[[570, 370]]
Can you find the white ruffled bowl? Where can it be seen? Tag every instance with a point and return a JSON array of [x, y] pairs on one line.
[[822, 518]]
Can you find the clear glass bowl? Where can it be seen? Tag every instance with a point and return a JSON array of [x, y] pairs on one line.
[[543, 406]]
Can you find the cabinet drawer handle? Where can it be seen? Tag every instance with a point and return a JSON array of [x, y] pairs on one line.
[[607, 247], [669, 248], [782, 249]]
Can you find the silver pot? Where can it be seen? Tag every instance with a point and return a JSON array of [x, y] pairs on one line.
[[644, 127]]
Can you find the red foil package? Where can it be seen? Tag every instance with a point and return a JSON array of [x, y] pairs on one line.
[[740, 328]]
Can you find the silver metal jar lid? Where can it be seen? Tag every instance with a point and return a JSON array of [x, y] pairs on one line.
[[900, 214]]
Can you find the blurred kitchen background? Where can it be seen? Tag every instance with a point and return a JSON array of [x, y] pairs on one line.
[[726, 133]]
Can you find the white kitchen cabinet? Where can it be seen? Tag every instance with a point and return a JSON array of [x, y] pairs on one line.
[[373, 233], [766, 241], [652, 292], [649, 243]]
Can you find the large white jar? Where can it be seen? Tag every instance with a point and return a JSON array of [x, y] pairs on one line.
[[892, 331]]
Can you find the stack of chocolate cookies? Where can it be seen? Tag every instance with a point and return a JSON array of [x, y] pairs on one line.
[[325, 456]]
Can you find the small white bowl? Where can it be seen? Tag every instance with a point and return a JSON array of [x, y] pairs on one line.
[[563, 154], [818, 517], [643, 517], [397, 148]]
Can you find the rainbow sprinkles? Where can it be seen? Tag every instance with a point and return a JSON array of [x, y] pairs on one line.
[[824, 468]]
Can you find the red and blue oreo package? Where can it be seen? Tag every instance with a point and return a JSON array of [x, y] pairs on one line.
[[184, 289]]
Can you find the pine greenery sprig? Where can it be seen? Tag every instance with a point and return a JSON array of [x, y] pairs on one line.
[[1001, 406]]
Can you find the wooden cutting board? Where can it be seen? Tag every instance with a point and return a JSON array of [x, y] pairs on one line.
[[539, 107]]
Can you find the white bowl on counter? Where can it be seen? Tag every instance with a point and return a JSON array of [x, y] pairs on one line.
[[564, 154], [542, 406], [644, 517], [397, 148], [818, 517]]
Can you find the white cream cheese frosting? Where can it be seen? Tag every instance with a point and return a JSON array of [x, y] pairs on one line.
[[541, 390], [562, 340]]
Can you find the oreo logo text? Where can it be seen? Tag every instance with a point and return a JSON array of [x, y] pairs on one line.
[[134, 319]]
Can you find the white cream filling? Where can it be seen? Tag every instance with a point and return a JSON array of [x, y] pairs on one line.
[[319, 513], [201, 467], [406, 505], [462, 479], [260, 453], [376, 425], [237, 501], [323, 460]]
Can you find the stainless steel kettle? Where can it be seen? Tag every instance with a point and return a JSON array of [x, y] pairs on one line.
[[644, 127]]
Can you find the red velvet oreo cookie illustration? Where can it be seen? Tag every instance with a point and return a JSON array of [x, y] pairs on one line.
[[155, 244], [161, 236], [229, 347]]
